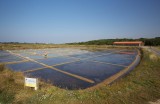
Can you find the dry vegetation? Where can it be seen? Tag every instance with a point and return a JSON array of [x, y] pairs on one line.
[[12, 88], [42, 46]]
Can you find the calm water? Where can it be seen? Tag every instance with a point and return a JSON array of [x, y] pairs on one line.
[[96, 66]]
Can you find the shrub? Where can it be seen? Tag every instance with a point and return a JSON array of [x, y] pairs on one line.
[[1, 67]]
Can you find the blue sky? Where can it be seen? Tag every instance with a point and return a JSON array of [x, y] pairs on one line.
[[63, 21]]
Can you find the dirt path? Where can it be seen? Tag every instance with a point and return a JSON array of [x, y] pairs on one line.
[[157, 102], [152, 49], [156, 51]]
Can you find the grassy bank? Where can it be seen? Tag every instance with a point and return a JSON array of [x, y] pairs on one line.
[[139, 87], [43, 46], [12, 88]]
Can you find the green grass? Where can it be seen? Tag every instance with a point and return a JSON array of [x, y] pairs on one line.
[[7, 82], [12, 87], [139, 87]]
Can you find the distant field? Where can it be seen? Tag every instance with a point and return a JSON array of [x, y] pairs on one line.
[[42, 46], [139, 87]]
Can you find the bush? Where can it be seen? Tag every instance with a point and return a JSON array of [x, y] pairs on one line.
[[153, 57], [1, 67]]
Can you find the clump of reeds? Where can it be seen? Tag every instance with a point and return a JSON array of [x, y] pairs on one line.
[[153, 57], [1, 67]]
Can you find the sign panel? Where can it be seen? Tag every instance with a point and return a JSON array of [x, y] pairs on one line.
[[31, 82]]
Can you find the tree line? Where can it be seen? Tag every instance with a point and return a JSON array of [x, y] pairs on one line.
[[147, 41]]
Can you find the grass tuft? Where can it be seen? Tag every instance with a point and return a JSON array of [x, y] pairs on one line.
[[1, 67]]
